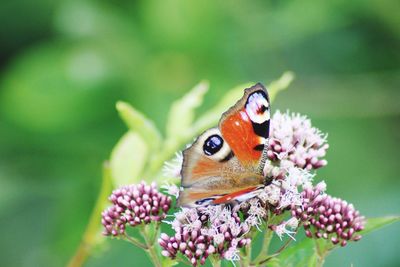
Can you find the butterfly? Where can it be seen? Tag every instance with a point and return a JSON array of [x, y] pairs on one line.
[[225, 163]]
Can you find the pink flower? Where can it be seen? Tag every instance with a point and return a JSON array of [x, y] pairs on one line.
[[200, 232], [328, 217], [134, 205], [294, 142]]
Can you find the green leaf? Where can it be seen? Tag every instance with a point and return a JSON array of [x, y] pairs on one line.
[[167, 262], [374, 224], [181, 115], [279, 85], [302, 253], [128, 159], [137, 122]]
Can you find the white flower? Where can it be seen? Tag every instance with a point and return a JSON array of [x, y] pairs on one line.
[[271, 194], [219, 238], [292, 223], [281, 230], [285, 192], [256, 209], [232, 254], [171, 189], [172, 168], [211, 211], [256, 213], [253, 221], [291, 196], [235, 228], [297, 176], [321, 186], [187, 218]]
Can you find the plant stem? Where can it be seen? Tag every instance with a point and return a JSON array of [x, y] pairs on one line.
[[246, 257], [265, 246], [215, 261], [152, 252], [151, 248], [135, 242], [267, 240], [323, 249], [320, 261], [264, 260], [93, 227]]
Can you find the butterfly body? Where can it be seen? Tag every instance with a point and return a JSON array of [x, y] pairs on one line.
[[225, 163]]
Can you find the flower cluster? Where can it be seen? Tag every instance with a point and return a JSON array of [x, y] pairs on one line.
[[133, 205], [285, 192], [328, 217], [295, 149], [201, 232], [294, 142]]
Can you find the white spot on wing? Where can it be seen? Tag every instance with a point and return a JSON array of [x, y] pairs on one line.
[[244, 116], [255, 104]]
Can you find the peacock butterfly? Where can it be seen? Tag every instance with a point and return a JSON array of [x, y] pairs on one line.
[[225, 163]]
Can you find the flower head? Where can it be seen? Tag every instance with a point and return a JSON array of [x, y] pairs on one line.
[[133, 205], [294, 142], [200, 232], [328, 217], [284, 192]]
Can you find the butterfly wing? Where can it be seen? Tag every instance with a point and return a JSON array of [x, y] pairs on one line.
[[245, 126], [211, 171], [224, 163]]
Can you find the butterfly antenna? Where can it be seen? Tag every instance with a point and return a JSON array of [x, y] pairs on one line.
[[264, 157]]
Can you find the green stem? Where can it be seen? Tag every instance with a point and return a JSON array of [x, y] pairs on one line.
[[322, 250], [266, 242], [320, 261], [265, 245], [272, 219], [268, 257], [92, 229], [320, 256], [156, 232], [150, 244], [215, 261], [134, 241], [246, 256]]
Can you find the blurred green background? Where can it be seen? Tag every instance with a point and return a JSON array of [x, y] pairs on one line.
[[64, 64]]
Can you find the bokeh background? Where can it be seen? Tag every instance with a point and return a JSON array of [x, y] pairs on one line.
[[64, 64]]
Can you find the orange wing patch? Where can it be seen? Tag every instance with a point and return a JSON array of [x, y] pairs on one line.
[[205, 167], [237, 130]]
